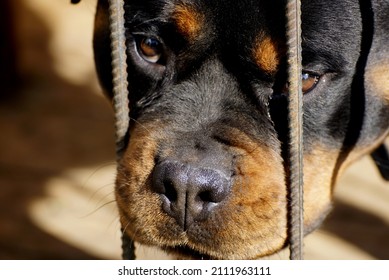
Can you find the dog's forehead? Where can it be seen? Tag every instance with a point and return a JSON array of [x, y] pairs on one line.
[[251, 31], [225, 18], [252, 28], [228, 15]]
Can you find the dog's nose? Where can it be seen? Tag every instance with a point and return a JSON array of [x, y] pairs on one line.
[[189, 193]]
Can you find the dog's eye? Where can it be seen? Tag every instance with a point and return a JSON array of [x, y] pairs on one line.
[[308, 80], [150, 49]]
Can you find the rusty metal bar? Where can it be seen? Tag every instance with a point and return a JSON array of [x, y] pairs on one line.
[[119, 72], [120, 93], [296, 192]]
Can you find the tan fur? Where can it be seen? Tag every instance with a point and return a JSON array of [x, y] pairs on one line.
[[266, 53], [318, 180], [189, 21], [378, 78], [138, 205]]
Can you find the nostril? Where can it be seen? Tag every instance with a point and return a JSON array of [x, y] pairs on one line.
[[206, 196], [170, 190], [211, 185], [189, 193]]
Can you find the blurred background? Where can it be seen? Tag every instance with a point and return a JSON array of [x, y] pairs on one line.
[[57, 154]]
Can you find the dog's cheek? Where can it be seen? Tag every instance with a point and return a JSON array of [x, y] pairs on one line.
[[139, 207], [260, 188], [319, 180]]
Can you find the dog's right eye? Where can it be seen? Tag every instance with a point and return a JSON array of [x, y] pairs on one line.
[[150, 49], [309, 82]]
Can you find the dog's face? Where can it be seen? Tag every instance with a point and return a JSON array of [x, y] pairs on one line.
[[203, 173]]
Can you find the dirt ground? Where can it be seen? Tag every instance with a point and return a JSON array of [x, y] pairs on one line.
[[57, 156]]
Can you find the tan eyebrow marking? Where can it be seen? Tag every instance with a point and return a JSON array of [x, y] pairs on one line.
[[189, 20], [266, 53]]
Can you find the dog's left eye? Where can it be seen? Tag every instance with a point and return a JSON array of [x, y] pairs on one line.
[[150, 49]]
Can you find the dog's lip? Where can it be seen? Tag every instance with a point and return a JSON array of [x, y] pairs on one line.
[[182, 250], [186, 251]]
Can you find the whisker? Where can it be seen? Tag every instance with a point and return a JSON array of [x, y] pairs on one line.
[[97, 169], [97, 209]]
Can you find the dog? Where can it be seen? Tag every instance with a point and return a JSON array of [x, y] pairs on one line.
[[203, 174]]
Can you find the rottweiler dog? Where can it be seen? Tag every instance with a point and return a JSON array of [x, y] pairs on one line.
[[205, 165]]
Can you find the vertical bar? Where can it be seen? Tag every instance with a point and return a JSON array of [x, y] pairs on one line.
[[120, 93], [119, 72], [296, 214]]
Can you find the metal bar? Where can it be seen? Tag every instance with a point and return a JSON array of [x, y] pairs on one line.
[[119, 72], [128, 247], [296, 192], [120, 93]]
